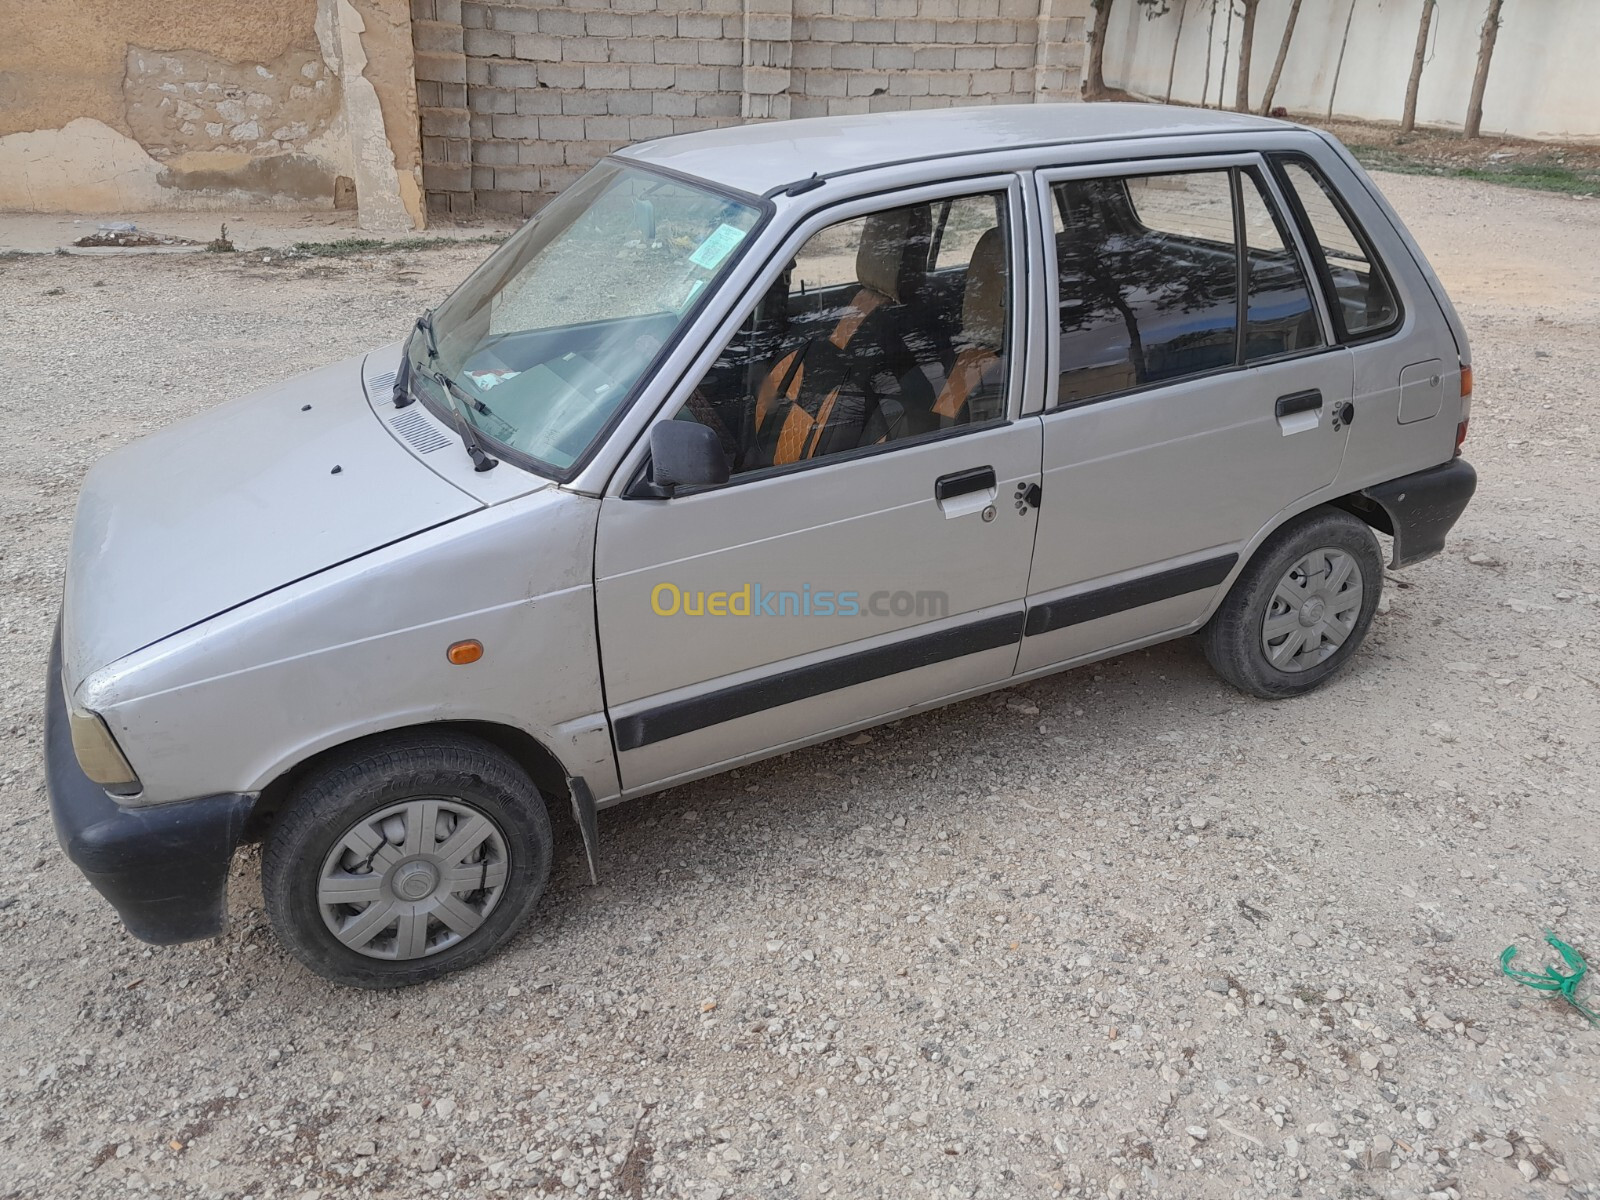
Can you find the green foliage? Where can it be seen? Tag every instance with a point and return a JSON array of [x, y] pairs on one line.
[[1537, 174]]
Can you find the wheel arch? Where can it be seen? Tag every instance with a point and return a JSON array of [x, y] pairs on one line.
[[532, 755], [1355, 503]]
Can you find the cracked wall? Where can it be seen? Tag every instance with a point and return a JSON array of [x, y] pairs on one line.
[[110, 106]]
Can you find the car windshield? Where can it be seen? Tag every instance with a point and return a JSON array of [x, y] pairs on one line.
[[548, 338]]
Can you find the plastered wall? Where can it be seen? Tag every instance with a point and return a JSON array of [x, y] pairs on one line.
[[1542, 81], [113, 106]]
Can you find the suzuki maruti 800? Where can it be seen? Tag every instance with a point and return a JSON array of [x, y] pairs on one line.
[[749, 439]]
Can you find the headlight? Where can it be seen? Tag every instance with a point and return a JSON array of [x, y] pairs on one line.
[[99, 756]]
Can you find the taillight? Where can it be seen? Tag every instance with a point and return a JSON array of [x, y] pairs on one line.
[[1466, 407]]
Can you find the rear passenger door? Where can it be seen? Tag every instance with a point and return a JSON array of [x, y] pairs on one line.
[[1194, 392]]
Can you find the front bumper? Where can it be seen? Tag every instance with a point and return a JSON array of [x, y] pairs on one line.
[[164, 868]]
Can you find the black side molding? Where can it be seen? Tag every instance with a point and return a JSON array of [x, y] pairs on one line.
[[1422, 508], [801, 683], [1131, 593], [163, 868]]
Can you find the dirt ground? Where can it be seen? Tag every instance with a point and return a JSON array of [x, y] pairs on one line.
[[1119, 933]]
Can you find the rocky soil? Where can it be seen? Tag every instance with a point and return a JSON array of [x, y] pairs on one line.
[[1120, 933]]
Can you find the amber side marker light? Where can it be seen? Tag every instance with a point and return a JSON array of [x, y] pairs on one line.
[[462, 653], [1466, 408]]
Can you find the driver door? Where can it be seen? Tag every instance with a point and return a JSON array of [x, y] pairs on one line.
[[869, 554]]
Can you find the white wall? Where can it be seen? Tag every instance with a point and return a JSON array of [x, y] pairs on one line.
[[1545, 81]]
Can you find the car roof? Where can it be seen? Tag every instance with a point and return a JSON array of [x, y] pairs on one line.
[[758, 158]]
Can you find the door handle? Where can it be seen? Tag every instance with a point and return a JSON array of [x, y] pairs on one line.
[[1299, 402], [959, 483]]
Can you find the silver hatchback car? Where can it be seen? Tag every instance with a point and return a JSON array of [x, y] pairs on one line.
[[751, 438]]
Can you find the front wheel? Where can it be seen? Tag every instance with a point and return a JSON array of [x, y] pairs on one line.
[[1300, 609], [409, 857]]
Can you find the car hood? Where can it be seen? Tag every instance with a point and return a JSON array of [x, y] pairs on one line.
[[234, 503]]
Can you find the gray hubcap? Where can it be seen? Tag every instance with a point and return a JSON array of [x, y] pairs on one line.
[[413, 879], [1314, 608]]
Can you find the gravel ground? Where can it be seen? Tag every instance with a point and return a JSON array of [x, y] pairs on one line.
[[1118, 933]]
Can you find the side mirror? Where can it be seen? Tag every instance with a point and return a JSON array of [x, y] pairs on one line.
[[685, 454]]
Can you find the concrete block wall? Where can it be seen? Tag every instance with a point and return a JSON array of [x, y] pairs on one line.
[[518, 97]]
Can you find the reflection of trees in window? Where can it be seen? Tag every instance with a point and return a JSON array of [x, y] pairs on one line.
[[1279, 318], [1141, 304]]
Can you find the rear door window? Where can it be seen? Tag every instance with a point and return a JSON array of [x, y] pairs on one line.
[[1149, 280], [1279, 316], [1359, 293]]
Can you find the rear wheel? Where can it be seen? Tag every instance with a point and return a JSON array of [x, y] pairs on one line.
[[1300, 609], [410, 857]]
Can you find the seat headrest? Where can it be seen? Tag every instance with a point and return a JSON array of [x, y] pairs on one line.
[[893, 255], [983, 306]]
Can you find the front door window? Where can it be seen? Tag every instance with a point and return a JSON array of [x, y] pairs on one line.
[[883, 329]]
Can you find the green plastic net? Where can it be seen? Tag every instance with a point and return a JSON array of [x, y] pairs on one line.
[[1553, 980]]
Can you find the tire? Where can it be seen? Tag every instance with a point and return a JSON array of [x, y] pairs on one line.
[[1263, 660], [378, 827]]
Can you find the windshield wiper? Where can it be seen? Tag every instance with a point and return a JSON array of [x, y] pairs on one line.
[[469, 432], [403, 395]]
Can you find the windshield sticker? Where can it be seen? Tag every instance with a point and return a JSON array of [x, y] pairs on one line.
[[717, 247], [488, 379]]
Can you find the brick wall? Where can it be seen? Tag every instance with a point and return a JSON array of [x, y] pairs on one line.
[[518, 98]]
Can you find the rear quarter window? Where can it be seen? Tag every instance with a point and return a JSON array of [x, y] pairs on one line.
[[1360, 295]]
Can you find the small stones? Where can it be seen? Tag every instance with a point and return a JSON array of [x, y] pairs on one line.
[[832, 913], [1425, 1118]]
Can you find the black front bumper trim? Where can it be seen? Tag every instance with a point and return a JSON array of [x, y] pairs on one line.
[[163, 868]]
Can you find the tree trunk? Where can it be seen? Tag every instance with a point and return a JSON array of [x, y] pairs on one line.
[[1283, 54], [1211, 33], [1247, 37], [1339, 66], [1227, 44], [1408, 120], [1172, 67], [1095, 88], [1491, 30]]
